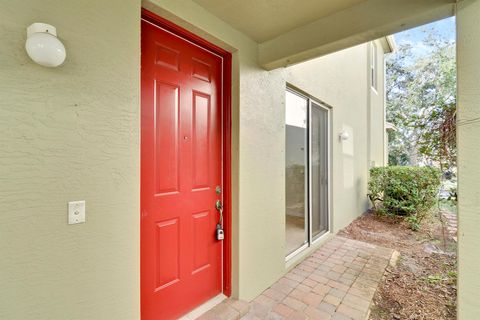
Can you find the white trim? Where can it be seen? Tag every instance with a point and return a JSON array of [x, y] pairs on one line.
[[204, 307], [296, 252], [373, 66], [322, 235], [291, 263], [306, 199], [312, 239], [392, 44], [388, 44]]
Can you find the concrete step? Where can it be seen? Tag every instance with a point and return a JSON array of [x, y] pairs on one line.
[[229, 309]]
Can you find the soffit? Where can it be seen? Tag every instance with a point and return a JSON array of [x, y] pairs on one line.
[[263, 20]]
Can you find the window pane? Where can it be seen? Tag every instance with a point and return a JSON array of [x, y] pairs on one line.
[[295, 172], [319, 169]]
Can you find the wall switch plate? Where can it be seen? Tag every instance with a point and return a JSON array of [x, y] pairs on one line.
[[76, 212]]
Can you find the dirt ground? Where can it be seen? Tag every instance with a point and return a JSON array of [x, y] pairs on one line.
[[423, 283]]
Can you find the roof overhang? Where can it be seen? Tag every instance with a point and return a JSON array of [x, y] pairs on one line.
[[388, 44], [390, 127], [293, 31]]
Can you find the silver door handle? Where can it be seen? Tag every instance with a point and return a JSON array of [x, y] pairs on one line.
[[219, 207]]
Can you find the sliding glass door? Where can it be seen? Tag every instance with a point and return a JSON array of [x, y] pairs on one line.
[[296, 215], [306, 171], [318, 169]]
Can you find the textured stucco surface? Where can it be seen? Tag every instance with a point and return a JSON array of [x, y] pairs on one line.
[[341, 81], [70, 133], [468, 64]]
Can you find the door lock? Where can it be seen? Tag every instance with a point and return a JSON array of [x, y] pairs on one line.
[[219, 229], [220, 233]]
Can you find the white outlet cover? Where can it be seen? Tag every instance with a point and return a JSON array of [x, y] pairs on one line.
[[76, 212]]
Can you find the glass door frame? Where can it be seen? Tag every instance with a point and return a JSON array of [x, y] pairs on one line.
[[308, 177], [313, 239]]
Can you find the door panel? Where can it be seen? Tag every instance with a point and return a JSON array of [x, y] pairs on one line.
[[200, 140], [319, 169], [306, 172], [181, 145], [166, 262], [167, 175], [296, 214]]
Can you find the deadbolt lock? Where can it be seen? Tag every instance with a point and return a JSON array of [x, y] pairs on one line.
[[218, 190]]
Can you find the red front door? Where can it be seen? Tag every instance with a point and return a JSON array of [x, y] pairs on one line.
[[181, 167]]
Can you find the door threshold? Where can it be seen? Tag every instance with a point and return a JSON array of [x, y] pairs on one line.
[[201, 309]]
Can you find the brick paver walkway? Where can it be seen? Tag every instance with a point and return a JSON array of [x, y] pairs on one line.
[[337, 281], [451, 224]]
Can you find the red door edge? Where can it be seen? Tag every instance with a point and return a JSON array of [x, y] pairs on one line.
[[227, 133]]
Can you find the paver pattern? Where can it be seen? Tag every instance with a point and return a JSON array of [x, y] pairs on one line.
[[451, 224], [229, 309], [337, 281]]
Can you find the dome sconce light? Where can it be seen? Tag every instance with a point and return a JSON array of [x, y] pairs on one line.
[[43, 46], [343, 135]]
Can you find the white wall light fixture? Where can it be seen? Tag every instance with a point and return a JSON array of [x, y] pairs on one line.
[[343, 135], [43, 46]]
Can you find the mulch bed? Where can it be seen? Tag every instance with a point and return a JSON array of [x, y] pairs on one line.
[[423, 283]]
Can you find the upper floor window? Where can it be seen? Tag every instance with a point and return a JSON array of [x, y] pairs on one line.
[[373, 65]]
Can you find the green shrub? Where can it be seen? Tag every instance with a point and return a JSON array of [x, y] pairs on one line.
[[404, 191]]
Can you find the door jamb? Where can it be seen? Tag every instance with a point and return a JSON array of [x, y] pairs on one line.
[[226, 134]]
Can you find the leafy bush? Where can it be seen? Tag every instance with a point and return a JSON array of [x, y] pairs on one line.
[[404, 191]]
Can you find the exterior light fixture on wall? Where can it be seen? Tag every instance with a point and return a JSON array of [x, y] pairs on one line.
[[343, 135], [43, 46]]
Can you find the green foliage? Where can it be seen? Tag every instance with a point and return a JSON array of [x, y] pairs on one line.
[[421, 103], [452, 275], [434, 279], [414, 222], [404, 191]]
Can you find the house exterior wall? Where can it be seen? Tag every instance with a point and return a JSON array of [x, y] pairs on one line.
[[468, 133], [376, 112], [72, 133], [259, 142], [340, 80]]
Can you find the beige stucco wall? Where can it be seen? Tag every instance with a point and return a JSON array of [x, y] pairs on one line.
[[468, 133], [340, 80], [72, 133], [376, 111]]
